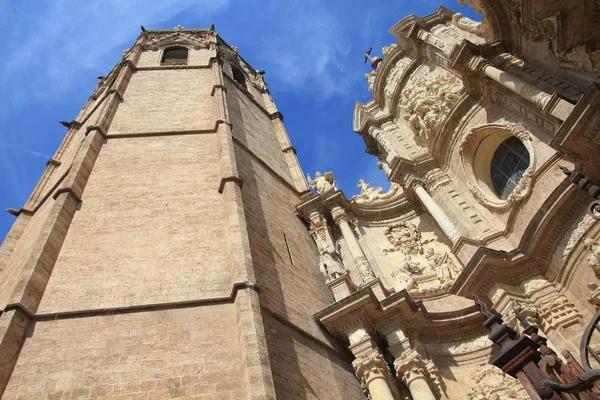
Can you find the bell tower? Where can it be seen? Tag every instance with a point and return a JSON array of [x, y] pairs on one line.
[[159, 255]]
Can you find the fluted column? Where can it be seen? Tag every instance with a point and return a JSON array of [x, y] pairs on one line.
[[411, 368], [526, 90], [362, 264], [436, 212], [374, 373]]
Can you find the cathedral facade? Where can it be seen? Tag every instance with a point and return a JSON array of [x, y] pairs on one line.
[[174, 249]]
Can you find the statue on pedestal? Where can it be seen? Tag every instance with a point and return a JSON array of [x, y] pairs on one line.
[[330, 264]]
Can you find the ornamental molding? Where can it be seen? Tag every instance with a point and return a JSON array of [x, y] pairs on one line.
[[192, 39], [575, 236], [371, 365], [467, 149], [580, 60]]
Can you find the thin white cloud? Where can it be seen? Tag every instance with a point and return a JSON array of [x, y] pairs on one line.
[[312, 53], [44, 51]]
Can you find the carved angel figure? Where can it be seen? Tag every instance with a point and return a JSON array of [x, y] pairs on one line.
[[580, 60], [330, 263], [321, 183], [443, 265], [404, 237]]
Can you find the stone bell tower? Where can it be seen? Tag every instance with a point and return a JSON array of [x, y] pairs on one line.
[[159, 255]]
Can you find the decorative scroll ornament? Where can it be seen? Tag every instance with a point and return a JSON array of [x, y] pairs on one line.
[[493, 384], [426, 102], [405, 237], [594, 263], [322, 183], [578, 59], [520, 192], [369, 194]]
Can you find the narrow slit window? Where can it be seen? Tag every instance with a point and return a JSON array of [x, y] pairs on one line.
[[287, 245], [175, 55]]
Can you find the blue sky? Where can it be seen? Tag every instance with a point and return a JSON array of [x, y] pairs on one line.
[[52, 52]]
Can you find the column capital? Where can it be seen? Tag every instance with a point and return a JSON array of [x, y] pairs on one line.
[[410, 366], [478, 64], [371, 365], [339, 215]]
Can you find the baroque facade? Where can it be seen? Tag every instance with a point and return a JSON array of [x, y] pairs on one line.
[[472, 122], [173, 248]]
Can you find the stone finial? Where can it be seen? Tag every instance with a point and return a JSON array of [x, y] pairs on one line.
[[178, 28], [375, 61]]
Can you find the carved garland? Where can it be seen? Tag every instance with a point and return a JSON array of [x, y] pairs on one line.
[[467, 148]]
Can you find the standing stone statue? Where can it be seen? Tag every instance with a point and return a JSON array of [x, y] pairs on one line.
[[321, 183], [443, 265], [330, 263]]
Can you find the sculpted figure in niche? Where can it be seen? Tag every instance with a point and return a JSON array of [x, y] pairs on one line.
[[594, 257], [404, 237], [321, 183], [330, 263], [443, 265]]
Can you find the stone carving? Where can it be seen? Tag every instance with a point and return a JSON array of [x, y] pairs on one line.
[[426, 102], [193, 39], [410, 366], [385, 167], [538, 31], [467, 346], [322, 183], [370, 77], [468, 25], [405, 237], [493, 384], [530, 312], [387, 50], [578, 59], [594, 294], [520, 192], [404, 274], [441, 262], [330, 264], [556, 312], [371, 365], [369, 194], [584, 225], [395, 75], [594, 257]]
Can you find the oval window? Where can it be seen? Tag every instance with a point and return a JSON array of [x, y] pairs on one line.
[[509, 163]]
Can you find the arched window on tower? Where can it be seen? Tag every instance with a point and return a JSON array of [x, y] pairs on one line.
[[175, 55], [510, 161], [238, 76]]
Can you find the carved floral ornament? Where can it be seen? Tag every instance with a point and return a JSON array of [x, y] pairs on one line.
[[476, 162]]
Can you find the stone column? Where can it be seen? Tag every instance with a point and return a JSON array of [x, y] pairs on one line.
[[362, 264], [436, 212], [526, 90], [374, 373], [411, 368]]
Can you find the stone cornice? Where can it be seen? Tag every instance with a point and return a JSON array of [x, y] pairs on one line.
[[399, 310]]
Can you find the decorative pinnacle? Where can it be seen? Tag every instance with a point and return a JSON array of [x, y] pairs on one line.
[[374, 60]]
